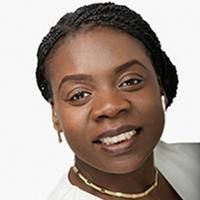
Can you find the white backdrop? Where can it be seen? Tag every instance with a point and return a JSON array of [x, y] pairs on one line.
[[32, 161]]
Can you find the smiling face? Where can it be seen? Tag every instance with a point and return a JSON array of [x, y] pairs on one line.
[[106, 99]]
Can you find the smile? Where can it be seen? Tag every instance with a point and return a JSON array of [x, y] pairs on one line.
[[118, 138]]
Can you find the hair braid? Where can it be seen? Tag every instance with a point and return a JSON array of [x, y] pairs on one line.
[[120, 17]]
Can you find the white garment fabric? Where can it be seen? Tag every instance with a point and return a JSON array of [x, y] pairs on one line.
[[179, 163]]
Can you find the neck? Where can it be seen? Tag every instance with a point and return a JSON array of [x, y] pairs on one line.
[[133, 182]]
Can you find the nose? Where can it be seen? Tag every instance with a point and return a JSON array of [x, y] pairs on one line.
[[109, 106]]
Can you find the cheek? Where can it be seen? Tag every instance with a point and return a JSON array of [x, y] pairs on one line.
[[150, 111], [154, 110], [153, 121], [72, 118], [74, 124]]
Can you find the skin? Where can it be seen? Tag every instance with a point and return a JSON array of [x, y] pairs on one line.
[[103, 80]]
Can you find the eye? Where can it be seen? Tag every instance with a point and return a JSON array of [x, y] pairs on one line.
[[132, 83], [79, 97]]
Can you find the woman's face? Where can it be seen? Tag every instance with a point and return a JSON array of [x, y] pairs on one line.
[[107, 99]]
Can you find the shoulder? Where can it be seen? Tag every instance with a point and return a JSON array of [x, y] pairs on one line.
[[179, 163], [64, 190], [187, 154], [174, 150]]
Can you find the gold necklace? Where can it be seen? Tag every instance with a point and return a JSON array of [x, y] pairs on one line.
[[117, 194]]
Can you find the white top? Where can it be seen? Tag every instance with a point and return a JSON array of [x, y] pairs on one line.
[[179, 163]]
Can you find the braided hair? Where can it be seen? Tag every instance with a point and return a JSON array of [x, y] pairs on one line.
[[117, 16]]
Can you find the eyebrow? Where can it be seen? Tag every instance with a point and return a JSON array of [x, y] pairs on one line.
[[75, 77], [85, 77], [127, 65]]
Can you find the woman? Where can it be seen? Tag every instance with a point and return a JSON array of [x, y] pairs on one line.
[[108, 82]]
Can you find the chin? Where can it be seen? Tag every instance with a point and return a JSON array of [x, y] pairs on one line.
[[123, 167]]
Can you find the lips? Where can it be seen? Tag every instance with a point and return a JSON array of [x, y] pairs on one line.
[[118, 138], [118, 142], [114, 136]]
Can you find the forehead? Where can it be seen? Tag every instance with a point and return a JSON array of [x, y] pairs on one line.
[[100, 46]]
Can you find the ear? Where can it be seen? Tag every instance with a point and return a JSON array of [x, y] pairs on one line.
[[163, 95], [164, 99]]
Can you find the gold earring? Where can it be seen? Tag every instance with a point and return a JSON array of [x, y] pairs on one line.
[[163, 102], [58, 129]]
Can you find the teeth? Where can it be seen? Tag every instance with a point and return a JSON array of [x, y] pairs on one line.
[[118, 138]]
